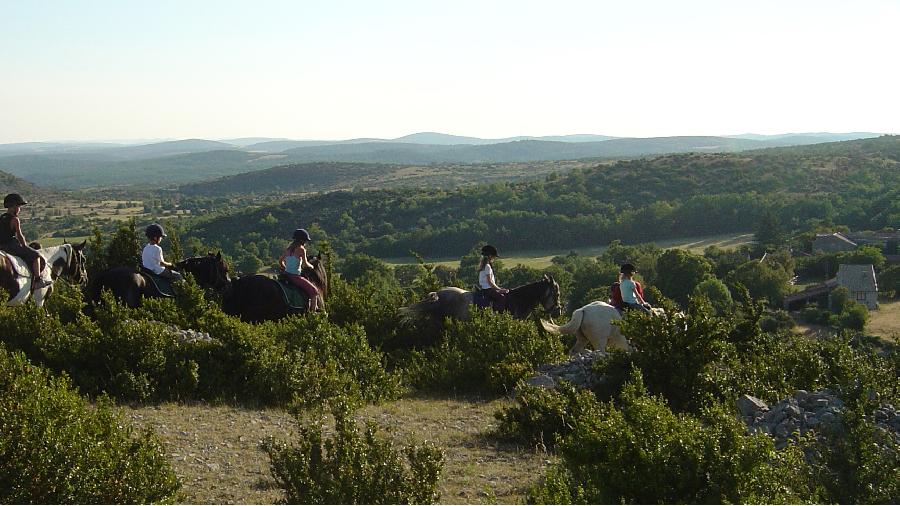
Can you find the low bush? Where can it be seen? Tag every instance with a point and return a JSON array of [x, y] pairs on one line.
[[353, 468], [488, 354], [642, 452], [542, 415], [55, 449]]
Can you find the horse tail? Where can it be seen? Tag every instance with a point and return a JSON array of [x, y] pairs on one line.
[[424, 306], [569, 328]]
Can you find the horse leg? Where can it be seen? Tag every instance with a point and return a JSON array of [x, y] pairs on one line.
[[580, 343]]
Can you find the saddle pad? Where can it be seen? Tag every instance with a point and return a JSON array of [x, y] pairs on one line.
[[17, 264], [163, 285], [294, 297]]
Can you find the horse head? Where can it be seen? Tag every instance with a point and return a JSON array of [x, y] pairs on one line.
[[69, 262], [550, 296], [210, 271], [319, 275]]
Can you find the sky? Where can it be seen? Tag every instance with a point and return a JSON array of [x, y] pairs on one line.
[[341, 69]]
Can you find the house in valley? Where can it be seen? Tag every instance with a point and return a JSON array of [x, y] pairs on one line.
[[860, 281], [832, 243]]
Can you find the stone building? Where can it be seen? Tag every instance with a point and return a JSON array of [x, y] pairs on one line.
[[832, 243], [860, 281]]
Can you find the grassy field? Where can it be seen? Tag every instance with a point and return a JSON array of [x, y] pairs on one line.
[[215, 450], [540, 259], [884, 322]]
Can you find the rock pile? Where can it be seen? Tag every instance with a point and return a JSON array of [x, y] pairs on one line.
[[187, 336], [578, 371], [805, 411]]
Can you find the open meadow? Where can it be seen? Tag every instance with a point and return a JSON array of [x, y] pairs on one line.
[[216, 452]]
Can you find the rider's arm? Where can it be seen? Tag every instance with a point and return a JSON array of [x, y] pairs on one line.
[[304, 262], [14, 223], [490, 280], [281, 260]]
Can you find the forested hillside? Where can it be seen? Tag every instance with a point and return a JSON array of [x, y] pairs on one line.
[[854, 183]]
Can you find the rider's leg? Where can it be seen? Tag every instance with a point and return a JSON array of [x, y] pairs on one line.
[[307, 286]]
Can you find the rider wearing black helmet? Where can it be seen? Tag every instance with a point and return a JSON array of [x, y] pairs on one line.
[[152, 255], [13, 241], [294, 260], [487, 282]]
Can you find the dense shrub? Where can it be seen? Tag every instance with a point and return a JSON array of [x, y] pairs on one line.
[[643, 453], [542, 415], [489, 354], [860, 463], [353, 468], [55, 449]]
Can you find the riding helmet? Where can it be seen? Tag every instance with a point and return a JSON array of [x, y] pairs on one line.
[[13, 199], [302, 235], [626, 268], [155, 230], [489, 251]]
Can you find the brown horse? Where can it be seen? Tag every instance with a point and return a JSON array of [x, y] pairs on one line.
[[258, 297], [129, 286], [454, 302]]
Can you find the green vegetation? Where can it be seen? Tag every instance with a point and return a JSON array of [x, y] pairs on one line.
[[56, 449], [353, 468]]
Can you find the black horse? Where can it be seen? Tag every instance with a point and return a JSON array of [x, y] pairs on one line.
[[520, 301], [258, 297], [129, 285]]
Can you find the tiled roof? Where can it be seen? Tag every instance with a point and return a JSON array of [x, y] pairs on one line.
[[857, 278]]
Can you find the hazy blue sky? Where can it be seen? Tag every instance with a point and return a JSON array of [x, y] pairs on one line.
[[342, 69]]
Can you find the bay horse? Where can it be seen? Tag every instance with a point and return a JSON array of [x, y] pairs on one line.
[[128, 285], [66, 260], [258, 297], [454, 302], [593, 323]]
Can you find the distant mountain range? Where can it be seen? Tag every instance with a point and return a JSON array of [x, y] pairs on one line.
[[78, 165]]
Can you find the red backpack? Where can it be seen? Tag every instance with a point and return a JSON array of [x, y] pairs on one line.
[[615, 293]]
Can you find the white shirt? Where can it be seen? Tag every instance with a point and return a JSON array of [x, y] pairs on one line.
[[484, 275], [152, 258]]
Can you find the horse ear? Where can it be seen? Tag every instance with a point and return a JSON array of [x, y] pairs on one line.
[[546, 277], [81, 246], [219, 255]]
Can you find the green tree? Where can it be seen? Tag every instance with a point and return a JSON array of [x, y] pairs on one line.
[[769, 235], [679, 272], [125, 246], [764, 280], [717, 293]]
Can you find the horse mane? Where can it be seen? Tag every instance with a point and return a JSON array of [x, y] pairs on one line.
[[320, 275]]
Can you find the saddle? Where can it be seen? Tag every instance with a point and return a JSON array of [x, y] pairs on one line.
[[294, 296], [482, 300], [162, 285]]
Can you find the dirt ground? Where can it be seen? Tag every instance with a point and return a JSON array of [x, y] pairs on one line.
[[215, 450]]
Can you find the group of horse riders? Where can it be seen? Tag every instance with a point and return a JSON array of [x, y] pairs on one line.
[[292, 261], [625, 294]]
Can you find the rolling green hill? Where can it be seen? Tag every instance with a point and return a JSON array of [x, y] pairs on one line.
[[854, 183]]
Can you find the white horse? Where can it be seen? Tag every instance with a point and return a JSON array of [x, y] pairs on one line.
[[64, 260], [593, 324]]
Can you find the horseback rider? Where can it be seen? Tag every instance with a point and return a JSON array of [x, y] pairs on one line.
[[152, 255], [487, 282], [12, 240], [631, 293], [294, 260]]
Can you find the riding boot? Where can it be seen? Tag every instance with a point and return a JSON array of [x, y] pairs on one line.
[[37, 283]]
